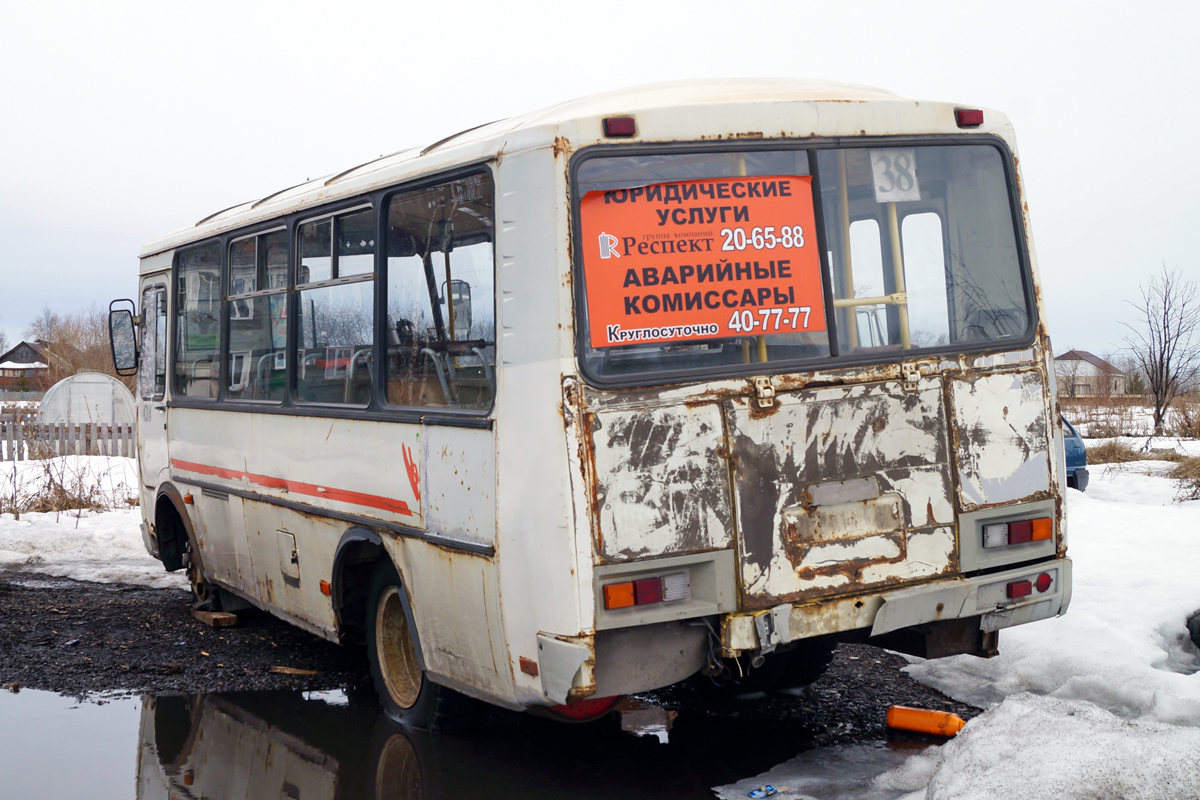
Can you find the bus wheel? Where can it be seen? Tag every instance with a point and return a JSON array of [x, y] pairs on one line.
[[405, 693], [205, 592]]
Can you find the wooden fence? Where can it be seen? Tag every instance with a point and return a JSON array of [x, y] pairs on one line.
[[22, 441]]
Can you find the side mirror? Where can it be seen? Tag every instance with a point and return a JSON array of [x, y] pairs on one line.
[[122, 338]]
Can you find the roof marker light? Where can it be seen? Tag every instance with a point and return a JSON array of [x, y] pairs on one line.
[[968, 117], [619, 127]]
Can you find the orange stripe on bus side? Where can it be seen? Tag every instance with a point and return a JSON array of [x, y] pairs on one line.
[[310, 489]]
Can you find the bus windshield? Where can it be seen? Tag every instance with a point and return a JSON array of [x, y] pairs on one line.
[[694, 263]]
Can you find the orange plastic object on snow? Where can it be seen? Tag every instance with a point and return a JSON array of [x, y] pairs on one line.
[[939, 723]]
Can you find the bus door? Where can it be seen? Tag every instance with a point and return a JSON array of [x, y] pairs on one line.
[[152, 382], [441, 349], [842, 489]]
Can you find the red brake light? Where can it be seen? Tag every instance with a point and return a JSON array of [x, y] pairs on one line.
[[1020, 532], [1019, 589], [647, 590], [968, 117], [616, 127], [1043, 582]]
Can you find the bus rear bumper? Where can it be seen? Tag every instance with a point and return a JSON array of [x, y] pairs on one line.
[[982, 602], [998, 599]]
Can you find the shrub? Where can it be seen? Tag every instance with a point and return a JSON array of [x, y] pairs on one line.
[[1114, 452], [1186, 474]]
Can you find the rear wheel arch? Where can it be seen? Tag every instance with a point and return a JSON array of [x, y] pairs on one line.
[[407, 694]]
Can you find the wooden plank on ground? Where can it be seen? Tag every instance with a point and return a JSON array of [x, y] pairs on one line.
[[215, 619], [293, 671]]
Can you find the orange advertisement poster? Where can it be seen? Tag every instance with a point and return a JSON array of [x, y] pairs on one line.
[[696, 260]]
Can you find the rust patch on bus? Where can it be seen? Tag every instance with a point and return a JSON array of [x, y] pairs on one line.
[[561, 146], [661, 483]]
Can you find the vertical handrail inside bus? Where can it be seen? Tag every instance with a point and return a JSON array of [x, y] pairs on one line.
[[847, 269], [898, 270]]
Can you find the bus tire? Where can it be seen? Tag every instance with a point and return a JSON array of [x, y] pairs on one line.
[[406, 694]]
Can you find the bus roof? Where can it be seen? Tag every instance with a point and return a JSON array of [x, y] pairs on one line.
[[751, 108]]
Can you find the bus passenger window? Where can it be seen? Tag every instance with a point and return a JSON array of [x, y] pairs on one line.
[[198, 327], [925, 279], [441, 324], [867, 256], [936, 242], [257, 305], [335, 359]]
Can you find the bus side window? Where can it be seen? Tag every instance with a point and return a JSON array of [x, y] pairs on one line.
[[441, 327], [152, 372], [257, 320], [198, 326], [336, 317]]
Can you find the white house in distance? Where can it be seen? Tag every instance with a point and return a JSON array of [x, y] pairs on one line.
[[1081, 374]]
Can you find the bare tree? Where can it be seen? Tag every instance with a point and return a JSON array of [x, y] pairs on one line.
[[1167, 348], [3, 342], [74, 342], [1067, 373]]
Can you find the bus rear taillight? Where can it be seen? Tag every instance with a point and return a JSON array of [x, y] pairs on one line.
[[644, 591], [1002, 534]]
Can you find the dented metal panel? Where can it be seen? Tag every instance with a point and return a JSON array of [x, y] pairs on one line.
[[842, 489], [662, 485], [1001, 444]]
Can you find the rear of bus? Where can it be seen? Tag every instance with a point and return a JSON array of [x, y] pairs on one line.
[[814, 401]]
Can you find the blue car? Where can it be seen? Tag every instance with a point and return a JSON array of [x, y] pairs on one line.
[[1077, 473]]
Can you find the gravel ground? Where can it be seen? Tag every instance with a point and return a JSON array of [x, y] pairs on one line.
[[80, 638]]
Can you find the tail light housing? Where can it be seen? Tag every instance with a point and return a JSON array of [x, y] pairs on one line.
[[647, 591], [1003, 534]]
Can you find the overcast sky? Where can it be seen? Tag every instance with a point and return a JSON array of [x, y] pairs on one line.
[[120, 122]]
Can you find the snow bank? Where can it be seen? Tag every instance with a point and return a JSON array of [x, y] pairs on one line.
[[1041, 747], [1123, 643], [90, 546], [1102, 702], [104, 547]]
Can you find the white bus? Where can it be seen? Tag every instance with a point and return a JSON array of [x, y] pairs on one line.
[[695, 377]]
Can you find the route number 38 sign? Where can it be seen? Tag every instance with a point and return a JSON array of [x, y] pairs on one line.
[[895, 172]]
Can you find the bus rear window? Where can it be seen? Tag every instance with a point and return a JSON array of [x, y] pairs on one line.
[[721, 261]]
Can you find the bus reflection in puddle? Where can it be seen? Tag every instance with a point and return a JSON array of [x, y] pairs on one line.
[[293, 745]]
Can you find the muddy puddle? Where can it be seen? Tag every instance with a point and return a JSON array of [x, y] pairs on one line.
[[326, 745]]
